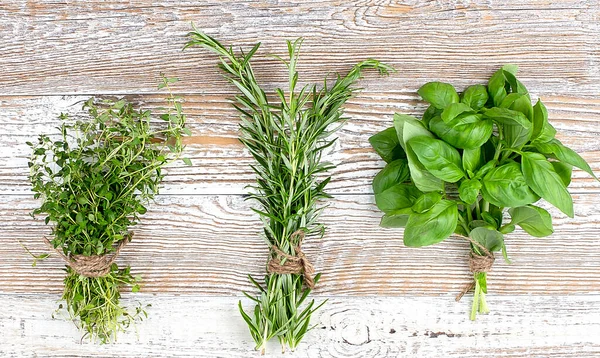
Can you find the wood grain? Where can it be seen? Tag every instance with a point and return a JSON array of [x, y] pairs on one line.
[[221, 164], [190, 326], [121, 47], [200, 239], [208, 245]]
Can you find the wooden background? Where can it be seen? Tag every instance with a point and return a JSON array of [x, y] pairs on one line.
[[196, 245]]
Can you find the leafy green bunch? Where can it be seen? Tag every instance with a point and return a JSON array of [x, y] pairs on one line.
[[471, 157], [287, 137], [94, 180]]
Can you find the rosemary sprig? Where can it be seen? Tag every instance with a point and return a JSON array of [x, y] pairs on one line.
[[287, 140]]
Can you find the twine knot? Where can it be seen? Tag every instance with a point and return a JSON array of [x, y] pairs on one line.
[[477, 263], [95, 265], [282, 263]]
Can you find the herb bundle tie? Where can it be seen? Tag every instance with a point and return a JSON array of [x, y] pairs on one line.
[[91, 266], [477, 264], [282, 263]]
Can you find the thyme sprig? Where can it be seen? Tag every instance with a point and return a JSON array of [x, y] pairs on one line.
[[94, 180], [287, 139]]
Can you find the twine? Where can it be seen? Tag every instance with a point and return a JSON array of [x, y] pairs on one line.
[[95, 265], [477, 263], [282, 263]]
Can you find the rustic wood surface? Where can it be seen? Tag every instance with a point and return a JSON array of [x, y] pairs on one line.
[[200, 239]]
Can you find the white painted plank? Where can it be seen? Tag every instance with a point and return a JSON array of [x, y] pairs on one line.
[[192, 326], [208, 244]]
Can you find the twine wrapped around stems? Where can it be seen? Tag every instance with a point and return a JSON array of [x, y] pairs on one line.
[[95, 265], [282, 263], [477, 263]]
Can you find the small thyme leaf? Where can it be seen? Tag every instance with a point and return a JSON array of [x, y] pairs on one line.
[[94, 180]]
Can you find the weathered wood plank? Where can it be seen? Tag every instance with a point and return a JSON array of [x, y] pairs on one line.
[[221, 164], [208, 244], [189, 326], [116, 47]]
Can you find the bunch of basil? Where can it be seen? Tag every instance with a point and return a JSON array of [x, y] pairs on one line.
[[468, 159]]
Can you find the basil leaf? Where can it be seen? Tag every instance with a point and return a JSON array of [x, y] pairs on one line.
[[534, 220], [439, 94], [540, 118], [475, 96], [488, 238], [430, 113], [426, 202], [400, 196], [432, 226], [517, 128], [468, 191], [453, 110], [505, 186], [466, 131], [548, 133], [564, 154], [520, 103], [386, 144], [394, 173], [410, 127], [439, 158], [395, 219], [497, 87], [564, 171], [545, 182], [515, 85], [472, 160]]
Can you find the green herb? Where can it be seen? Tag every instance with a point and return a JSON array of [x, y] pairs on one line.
[[287, 138], [95, 179], [471, 157]]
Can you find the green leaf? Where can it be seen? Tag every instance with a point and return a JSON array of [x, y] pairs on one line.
[[475, 96], [394, 173], [565, 154], [467, 131], [534, 220], [545, 182], [432, 226], [540, 119], [79, 218], [520, 103], [187, 161], [426, 201], [488, 238], [439, 94], [454, 110], [468, 190], [409, 128], [396, 219], [429, 113], [439, 158], [472, 159], [398, 197], [505, 186], [548, 133], [564, 171], [386, 144], [497, 87], [517, 128]]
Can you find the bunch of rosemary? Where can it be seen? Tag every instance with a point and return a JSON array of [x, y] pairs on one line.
[[287, 140], [94, 180]]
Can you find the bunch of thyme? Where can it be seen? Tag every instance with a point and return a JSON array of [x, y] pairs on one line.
[[287, 140], [94, 180]]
